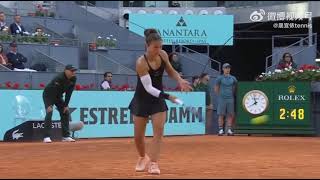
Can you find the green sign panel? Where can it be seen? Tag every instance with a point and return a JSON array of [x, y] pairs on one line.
[[273, 108]]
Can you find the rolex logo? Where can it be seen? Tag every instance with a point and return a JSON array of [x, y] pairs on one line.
[[292, 89], [292, 96]]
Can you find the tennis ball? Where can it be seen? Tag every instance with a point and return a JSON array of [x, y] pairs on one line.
[[260, 120]]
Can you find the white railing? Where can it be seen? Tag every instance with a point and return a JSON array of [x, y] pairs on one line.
[[116, 67], [210, 60]]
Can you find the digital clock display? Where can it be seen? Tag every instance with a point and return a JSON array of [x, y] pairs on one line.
[[293, 114]]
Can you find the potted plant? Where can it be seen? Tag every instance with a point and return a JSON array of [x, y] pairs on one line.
[[101, 43], [104, 44], [38, 13], [52, 14]]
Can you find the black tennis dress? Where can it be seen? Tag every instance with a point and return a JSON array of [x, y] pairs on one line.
[[144, 104]]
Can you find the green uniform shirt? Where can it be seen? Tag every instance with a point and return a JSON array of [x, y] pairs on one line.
[[204, 88], [58, 86], [177, 66], [195, 88]]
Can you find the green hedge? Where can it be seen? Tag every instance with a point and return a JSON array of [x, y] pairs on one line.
[[24, 39]]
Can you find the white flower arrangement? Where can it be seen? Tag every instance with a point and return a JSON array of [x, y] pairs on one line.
[[278, 71], [304, 73], [43, 34], [103, 43]]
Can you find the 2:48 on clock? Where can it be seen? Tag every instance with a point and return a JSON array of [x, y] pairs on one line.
[[291, 114]]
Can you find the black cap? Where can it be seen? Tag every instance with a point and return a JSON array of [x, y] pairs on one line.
[[13, 44], [70, 67]]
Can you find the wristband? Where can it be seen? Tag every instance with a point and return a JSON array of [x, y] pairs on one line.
[[164, 95]]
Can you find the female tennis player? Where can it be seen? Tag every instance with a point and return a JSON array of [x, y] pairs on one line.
[[149, 99]]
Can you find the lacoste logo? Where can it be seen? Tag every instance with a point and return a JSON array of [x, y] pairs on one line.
[[16, 135]]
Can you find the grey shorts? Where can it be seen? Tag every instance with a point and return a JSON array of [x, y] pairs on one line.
[[225, 107]]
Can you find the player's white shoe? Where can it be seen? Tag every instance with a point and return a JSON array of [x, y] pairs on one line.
[[221, 132], [154, 168], [142, 163], [68, 139], [47, 140], [230, 132]]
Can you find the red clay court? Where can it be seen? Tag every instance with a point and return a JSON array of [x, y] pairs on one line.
[[207, 156]]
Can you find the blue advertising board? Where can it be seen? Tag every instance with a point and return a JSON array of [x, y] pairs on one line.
[[104, 114], [186, 29]]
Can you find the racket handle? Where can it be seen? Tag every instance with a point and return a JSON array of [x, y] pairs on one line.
[[178, 101]]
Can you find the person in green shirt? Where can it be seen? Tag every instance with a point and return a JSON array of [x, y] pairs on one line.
[[175, 63], [204, 87], [52, 95], [195, 82]]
